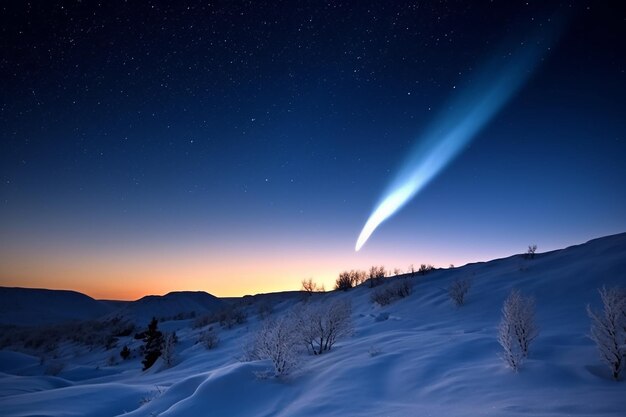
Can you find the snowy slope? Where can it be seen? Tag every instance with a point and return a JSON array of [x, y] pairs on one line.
[[428, 358], [30, 306]]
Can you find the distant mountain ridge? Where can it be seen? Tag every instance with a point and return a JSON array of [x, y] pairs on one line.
[[33, 306], [178, 303]]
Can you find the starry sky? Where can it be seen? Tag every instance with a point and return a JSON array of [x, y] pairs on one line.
[[239, 147]]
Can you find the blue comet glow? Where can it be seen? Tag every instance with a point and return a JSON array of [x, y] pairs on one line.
[[455, 128]]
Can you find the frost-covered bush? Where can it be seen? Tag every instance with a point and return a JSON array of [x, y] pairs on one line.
[[458, 290], [169, 350], [608, 328], [517, 328], [278, 340], [319, 326], [209, 339]]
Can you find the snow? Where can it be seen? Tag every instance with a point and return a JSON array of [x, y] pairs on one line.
[[420, 355]]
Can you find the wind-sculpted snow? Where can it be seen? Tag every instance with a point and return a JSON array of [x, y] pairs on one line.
[[419, 356]]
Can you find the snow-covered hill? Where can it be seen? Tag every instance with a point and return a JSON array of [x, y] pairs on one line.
[[418, 356], [30, 306], [171, 305]]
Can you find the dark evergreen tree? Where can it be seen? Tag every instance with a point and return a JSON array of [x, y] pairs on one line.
[[153, 344], [125, 353]]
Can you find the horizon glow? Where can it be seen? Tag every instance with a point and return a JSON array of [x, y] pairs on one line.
[[454, 129]]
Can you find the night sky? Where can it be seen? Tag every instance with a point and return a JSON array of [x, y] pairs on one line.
[[239, 147]]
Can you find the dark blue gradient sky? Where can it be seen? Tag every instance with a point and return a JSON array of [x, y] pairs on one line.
[[240, 147]]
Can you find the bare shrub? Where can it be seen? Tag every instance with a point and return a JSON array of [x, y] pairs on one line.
[[458, 290], [517, 328], [358, 277], [381, 297], [209, 339], [530, 253], [424, 269], [309, 286], [231, 316], [344, 281], [278, 341], [608, 328], [319, 326], [376, 275], [397, 271], [401, 288], [391, 292]]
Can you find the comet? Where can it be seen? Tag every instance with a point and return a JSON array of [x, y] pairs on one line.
[[454, 129]]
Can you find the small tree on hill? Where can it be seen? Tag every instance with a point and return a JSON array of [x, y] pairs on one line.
[[153, 344], [169, 349], [376, 275], [608, 328], [278, 341], [320, 326], [530, 253], [517, 328], [309, 286]]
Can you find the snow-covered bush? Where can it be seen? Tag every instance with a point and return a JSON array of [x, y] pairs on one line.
[[458, 290], [209, 339], [278, 340], [320, 325], [169, 350], [517, 328], [608, 328]]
